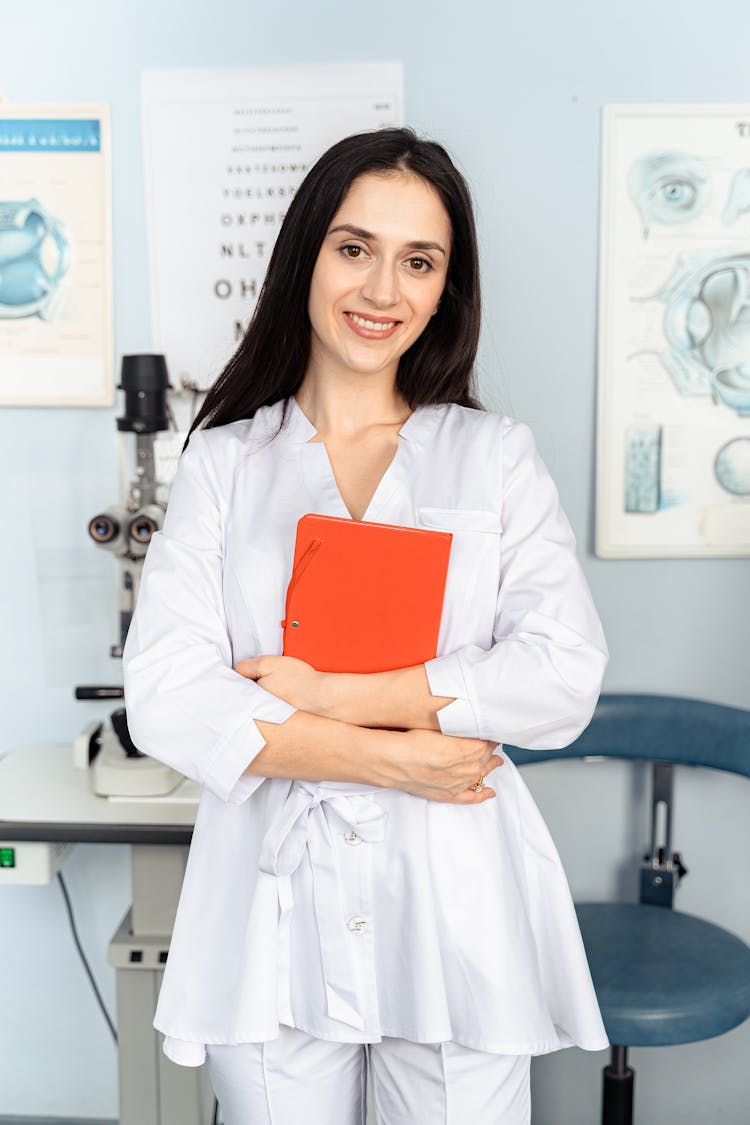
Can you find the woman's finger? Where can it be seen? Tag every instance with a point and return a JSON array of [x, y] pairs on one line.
[[249, 668], [473, 796], [492, 762]]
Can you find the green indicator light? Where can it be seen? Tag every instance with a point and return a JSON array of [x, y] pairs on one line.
[[7, 857]]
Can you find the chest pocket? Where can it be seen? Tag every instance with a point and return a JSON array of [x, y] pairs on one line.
[[473, 574]]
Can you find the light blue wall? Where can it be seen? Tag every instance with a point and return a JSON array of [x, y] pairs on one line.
[[515, 92]]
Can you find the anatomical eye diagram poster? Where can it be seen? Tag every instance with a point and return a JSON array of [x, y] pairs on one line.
[[673, 441], [224, 153], [56, 345]]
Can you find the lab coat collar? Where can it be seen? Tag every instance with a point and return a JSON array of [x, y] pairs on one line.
[[418, 427]]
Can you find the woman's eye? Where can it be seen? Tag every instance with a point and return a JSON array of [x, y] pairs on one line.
[[353, 252], [419, 265]]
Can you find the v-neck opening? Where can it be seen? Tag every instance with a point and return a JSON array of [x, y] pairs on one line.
[[327, 478], [386, 486], [380, 487], [316, 471]]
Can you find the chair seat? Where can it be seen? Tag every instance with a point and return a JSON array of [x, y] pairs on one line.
[[663, 977]]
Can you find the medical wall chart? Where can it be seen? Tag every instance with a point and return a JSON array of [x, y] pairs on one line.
[[673, 442], [56, 344], [224, 152]]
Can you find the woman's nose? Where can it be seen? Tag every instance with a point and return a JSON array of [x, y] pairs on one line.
[[380, 287]]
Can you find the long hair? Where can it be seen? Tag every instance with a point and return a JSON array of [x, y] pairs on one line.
[[271, 360]]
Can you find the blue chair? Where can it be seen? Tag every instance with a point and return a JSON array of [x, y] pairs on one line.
[[661, 977]]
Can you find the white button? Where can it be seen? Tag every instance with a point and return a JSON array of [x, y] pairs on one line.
[[357, 924], [352, 838]]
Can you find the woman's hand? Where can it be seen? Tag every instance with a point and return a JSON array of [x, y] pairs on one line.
[[427, 763], [286, 677], [441, 767], [397, 700], [435, 766]]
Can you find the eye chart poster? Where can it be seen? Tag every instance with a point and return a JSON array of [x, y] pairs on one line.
[[55, 256], [225, 150], [673, 450]]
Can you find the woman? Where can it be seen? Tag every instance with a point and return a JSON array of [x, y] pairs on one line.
[[354, 888]]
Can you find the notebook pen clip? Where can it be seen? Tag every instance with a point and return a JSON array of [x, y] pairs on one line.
[[297, 573]]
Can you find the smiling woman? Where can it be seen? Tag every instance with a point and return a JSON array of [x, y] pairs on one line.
[[356, 894]]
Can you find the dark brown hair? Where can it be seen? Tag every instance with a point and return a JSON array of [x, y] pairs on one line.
[[271, 360]]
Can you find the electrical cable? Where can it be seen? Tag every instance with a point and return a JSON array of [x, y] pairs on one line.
[[82, 955], [90, 975]]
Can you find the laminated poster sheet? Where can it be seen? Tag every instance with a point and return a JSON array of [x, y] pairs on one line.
[[56, 345], [673, 443], [224, 152]]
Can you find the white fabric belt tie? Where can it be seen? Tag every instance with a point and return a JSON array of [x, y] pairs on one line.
[[312, 817]]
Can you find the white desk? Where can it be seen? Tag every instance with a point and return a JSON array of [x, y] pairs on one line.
[[44, 797]]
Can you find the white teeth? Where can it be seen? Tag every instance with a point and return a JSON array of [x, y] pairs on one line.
[[360, 320]]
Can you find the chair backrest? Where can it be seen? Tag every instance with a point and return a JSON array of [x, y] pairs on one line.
[[662, 728]]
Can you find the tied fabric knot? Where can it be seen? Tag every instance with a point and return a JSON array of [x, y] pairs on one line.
[[311, 817], [285, 841]]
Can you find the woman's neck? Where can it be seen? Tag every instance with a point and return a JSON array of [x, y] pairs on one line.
[[347, 407]]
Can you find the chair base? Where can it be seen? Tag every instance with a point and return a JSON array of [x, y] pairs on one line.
[[617, 1089]]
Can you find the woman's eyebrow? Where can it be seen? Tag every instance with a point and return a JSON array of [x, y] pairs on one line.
[[368, 236]]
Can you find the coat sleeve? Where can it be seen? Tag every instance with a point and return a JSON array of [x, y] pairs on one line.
[[538, 684], [185, 704]]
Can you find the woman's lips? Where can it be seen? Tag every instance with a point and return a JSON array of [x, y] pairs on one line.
[[371, 327]]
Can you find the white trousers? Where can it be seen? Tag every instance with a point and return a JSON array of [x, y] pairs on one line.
[[297, 1078]]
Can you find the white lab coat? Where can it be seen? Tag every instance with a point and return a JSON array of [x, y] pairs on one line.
[[349, 911]]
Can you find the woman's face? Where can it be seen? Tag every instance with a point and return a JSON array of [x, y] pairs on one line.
[[379, 274]]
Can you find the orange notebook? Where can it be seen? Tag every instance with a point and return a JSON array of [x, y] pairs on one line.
[[364, 597]]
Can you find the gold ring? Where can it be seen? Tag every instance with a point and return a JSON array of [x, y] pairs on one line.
[[480, 783]]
